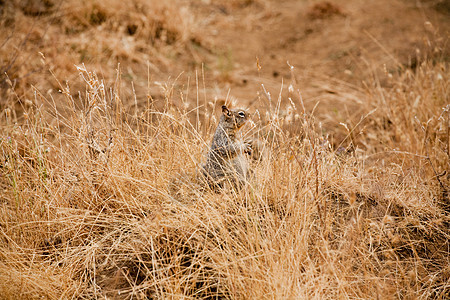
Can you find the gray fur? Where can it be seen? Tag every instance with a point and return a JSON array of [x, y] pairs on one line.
[[226, 158]]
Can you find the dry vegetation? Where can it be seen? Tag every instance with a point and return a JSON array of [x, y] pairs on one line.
[[99, 193]]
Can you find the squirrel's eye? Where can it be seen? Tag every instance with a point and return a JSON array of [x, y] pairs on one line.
[[241, 114]]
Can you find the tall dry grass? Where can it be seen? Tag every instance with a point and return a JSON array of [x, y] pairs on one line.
[[42, 35], [101, 200]]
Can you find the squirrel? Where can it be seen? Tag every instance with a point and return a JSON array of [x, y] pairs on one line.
[[226, 159]]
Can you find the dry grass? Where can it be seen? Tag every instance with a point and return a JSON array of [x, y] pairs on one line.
[[100, 196], [43, 35], [87, 210]]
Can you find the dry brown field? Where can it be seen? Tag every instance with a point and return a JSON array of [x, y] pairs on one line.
[[107, 110]]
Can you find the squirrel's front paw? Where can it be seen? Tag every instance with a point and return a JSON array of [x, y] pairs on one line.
[[247, 148]]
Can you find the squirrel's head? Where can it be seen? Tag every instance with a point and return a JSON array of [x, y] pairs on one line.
[[234, 118]]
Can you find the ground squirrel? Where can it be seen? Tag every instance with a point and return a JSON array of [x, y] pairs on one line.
[[226, 159]]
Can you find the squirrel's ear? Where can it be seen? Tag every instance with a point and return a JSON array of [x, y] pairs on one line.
[[225, 110]]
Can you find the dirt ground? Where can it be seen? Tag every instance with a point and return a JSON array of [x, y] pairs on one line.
[[325, 42], [238, 45], [212, 51]]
